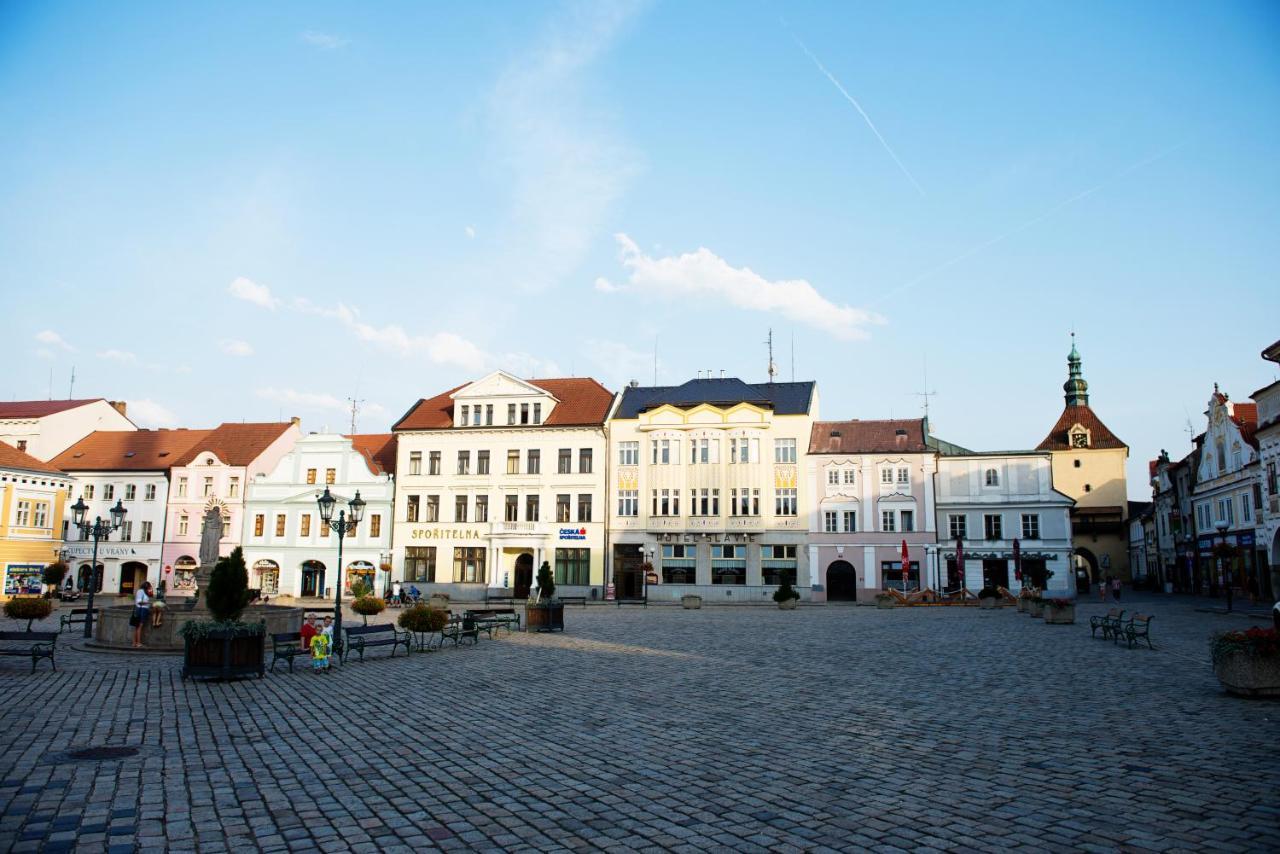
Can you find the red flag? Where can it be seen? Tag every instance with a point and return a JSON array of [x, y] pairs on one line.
[[1017, 560], [906, 562]]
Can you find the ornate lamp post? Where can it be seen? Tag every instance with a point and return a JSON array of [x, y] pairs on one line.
[[343, 525], [99, 529]]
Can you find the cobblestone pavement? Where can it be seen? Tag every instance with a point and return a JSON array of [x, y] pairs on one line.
[[726, 728]]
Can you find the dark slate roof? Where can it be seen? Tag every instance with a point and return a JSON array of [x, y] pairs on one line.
[[782, 398]]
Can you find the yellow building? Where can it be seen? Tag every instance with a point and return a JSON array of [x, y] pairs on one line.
[[1089, 465], [32, 495]]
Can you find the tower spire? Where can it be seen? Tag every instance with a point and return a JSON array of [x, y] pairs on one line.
[[1077, 390]]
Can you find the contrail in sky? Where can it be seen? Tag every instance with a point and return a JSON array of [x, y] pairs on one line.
[[861, 112], [986, 244]]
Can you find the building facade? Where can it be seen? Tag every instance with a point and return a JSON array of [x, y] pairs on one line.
[[1267, 400], [706, 489], [1001, 511], [131, 467], [288, 550], [32, 496], [1089, 467], [872, 489], [1226, 497], [213, 474], [46, 428], [497, 476]]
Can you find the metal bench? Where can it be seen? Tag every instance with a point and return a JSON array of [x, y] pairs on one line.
[[1137, 628], [360, 638], [1108, 623], [491, 619], [286, 645], [458, 629], [75, 617], [38, 645]]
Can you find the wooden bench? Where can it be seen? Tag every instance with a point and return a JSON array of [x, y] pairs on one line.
[[286, 645], [38, 645], [576, 600], [1108, 624], [76, 617], [1137, 627], [491, 619], [360, 638]]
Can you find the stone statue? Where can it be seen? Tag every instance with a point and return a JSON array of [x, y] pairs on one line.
[[210, 535]]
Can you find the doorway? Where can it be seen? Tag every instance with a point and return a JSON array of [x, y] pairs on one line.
[[1086, 569], [524, 576], [83, 576], [995, 573], [842, 582], [312, 578], [132, 575], [628, 575]]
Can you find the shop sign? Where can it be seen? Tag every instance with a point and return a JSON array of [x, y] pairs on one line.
[[23, 579], [573, 533], [104, 550], [444, 534]]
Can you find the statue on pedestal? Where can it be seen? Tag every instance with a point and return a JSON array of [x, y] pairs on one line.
[[210, 536]]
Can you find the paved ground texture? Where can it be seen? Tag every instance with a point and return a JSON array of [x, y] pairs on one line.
[[735, 729]]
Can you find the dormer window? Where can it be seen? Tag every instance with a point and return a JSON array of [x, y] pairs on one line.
[[537, 413], [524, 413], [992, 477], [488, 415], [466, 410], [511, 413], [475, 415]]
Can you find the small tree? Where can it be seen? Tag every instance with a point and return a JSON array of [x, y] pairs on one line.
[[421, 619], [367, 606], [29, 608], [359, 589], [546, 583], [228, 593], [54, 573], [784, 592]]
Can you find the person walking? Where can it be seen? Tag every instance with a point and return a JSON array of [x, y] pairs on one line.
[[141, 611], [395, 594], [1115, 588], [1104, 587]]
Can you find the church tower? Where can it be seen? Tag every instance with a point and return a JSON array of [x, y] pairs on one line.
[[1089, 465]]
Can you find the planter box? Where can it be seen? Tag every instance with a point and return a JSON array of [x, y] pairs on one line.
[[1060, 616], [788, 604], [690, 602], [547, 617], [223, 655], [1249, 675], [988, 604], [886, 603], [1035, 609], [441, 602]]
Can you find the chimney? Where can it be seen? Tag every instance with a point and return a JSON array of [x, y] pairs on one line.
[[295, 421], [118, 406]]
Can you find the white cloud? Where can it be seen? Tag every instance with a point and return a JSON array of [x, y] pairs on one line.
[[48, 336], [324, 41], [703, 273], [250, 291], [235, 347], [605, 286], [124, 357], [316, 401], [148, 413], [45, 354], [470, 231]]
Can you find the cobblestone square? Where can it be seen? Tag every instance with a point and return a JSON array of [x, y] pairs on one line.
[[742, 729]]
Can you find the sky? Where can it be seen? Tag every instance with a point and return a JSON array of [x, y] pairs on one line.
[[253, 211]]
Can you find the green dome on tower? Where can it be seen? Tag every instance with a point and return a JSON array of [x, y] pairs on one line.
[[1077, 390]]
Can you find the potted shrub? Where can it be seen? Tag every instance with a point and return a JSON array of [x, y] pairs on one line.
[[1247, 663], [544, 612], [884, 600], [439, 601], [29, 608], [1059, 612], [52, 577], [1035, 607], [691, 601], [366, 606], [988, 598], [224, 647], [786, 596], [423, 620]]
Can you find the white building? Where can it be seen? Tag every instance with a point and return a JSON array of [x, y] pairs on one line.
[[1267, 400], [46, 428], [288, 550], [992, 502], [707, 485], [131, 467], [1227, 496], [497, 476]]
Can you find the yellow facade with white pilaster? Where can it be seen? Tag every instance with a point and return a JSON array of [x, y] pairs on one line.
[[31, 506]]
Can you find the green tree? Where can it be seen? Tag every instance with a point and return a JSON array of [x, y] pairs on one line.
[[228, 593], [546, 583]]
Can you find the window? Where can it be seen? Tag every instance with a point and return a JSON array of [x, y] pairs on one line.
[[88, 489], [1246, 509], [524, 413], [744, 502], [130, 491], [259, 524], [992, 478], [907, 521], [375, 525], [146, 532], [513, 508], [573, 566], [1271, 478], [464, 462], [679, 565], [562, 508], [628, 502], [992, 526], [1088, 487], [233, 488], [460, 508], [784, 450], [415, 466], [305, 525], [848, 477], [1030, 526], [662, 503], [149, 492], [850, 521], [40, 515], [564, 461], [184, 524], [533, 462], [511, 413], [22, 444], [126, 531], [584, 507], [311, 473], [420, 563], [728, 564], [22, 517], [324, 530], [488, 414], [411, 510], [531, 503], [784, 502], [466, 412], [886, 476], [584, 461], [537, 413], [433, 508], [208, 488], [628, 453], [956, 525], [887, 521], [904, 475], [468, 565], [1076, 463], [109, 491], [662, 449], [330, 476], [833, 477], [513, 462], [830, 520], [891, 574], [433, 463], [778, 564], [482, 508], [280, 522], [482, 462]]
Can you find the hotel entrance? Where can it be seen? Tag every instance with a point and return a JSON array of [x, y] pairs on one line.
[[628, 576], [523, 576]]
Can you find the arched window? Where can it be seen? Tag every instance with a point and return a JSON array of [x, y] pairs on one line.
[[993, 477]]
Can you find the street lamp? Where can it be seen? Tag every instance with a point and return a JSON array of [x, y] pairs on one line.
[[343, 525], [1224, 574], [99, 529]]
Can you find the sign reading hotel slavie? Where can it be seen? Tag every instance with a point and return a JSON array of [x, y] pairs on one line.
[[444, 534]]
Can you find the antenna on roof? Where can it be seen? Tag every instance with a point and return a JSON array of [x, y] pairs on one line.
[[926, 394], [355, 408], [773, 369], [71, 392], [1191, 430]]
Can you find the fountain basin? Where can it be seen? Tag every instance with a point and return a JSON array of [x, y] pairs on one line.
[[112, 630]]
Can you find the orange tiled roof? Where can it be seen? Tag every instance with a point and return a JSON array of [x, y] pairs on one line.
[[1246, 417], [583, 402], [131, 450], [12, 458], [379, 449], [905, 435], [1099, 435], [40, 408], [236, 444]]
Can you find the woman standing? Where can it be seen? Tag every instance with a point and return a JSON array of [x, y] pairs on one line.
[[141, 610]]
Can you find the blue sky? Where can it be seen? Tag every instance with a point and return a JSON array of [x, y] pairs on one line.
[[239, 212]]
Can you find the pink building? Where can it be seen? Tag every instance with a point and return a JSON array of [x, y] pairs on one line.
[[214, 472]]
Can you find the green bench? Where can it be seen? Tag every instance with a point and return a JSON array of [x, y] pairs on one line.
[[360, 638], [1109, 623], [75, 617], [37, 645], [1136, 628]]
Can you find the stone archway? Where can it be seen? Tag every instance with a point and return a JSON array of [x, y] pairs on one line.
[[842, 582], [524, 576], [1085, 566], [83, 575]]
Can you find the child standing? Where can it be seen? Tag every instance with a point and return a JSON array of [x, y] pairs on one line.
[[320, 651]]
